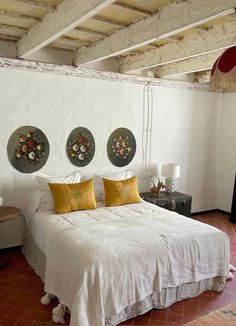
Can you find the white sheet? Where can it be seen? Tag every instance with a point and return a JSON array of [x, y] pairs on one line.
[[100, 261]]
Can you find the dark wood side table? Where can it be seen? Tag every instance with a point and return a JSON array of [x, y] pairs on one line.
[[7, 213], [178, 202]]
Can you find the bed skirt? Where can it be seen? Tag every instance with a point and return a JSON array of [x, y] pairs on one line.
[[34, 256], [165, 298]]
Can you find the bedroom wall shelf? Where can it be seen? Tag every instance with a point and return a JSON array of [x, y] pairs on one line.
[[178, 202]]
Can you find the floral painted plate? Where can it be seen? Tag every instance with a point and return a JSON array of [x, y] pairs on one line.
[[121, 147], [28, 149], [80, 146]]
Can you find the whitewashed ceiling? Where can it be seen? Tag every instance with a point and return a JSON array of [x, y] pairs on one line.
[[129, 36]]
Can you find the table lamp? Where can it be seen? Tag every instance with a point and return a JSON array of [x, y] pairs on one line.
[[171, 171]]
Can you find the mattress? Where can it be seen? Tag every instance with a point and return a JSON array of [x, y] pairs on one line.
[[167, 249]]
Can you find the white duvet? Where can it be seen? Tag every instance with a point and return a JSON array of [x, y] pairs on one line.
[[103, 260]]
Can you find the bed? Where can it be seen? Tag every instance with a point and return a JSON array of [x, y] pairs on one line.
[[113, 263]]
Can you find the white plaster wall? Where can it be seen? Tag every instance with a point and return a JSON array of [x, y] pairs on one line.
[[227, 151], [186, 132], [184, 128]]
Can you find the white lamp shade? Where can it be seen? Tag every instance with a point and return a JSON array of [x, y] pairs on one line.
[[156, 170], [171, 170]]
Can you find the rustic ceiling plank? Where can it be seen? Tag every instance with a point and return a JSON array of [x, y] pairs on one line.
[[91, 31], [5, 13], [201, 29], [4, 37], [68, 15], [132, 9], [202, 76], [199, 63], [108, 21], [92, 73], [170, 20], [12, 30], [216, 38], [37, 4]]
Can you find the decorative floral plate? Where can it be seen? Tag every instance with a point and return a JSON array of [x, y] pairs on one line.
[[121, 147], [80, 146], [28, 149]]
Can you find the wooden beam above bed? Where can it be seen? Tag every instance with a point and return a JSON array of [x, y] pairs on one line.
[[168, 21], [216, 38], [68, 15], [199, 63]]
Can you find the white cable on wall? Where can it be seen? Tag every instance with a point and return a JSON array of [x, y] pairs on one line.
[[147, 128]]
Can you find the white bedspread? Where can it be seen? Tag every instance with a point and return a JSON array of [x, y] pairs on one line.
[[101, 261]]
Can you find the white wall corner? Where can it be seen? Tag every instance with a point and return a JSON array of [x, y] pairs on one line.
[[218, 150]]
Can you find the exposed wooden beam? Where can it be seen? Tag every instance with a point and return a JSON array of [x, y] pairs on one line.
[[5, 37], [202, 76], [132, 9], [77, 42], [91, 73], [201, 29], [170, 20], [12, 30], [231, 17], [90, 31], [68, 15], [37, 4], [173, 38], [108, 22], [218, 37], [30, 19], [199, 63]]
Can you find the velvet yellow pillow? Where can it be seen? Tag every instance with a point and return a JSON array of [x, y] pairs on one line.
[[120, 192], [69, 197]]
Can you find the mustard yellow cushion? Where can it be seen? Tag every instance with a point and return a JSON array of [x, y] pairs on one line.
[[120, 192], [69, 197]]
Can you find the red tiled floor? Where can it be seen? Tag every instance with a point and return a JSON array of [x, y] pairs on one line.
[[21, 290]]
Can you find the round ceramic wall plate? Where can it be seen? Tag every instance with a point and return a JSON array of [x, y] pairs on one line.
[[80, 146], [28, 149], [121, 147]]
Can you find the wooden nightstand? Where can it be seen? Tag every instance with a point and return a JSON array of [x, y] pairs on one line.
[[11, 227], [178, 202], [11, 230]]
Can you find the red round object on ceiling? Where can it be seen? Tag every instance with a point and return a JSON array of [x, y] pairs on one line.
[[227, 61]]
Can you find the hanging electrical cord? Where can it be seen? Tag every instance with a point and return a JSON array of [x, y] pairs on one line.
[[147, 128]]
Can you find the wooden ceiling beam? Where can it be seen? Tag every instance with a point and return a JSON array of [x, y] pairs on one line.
[[108, 21], [170, 20], [37, 4], [4, 37], [12, 30], [68, 15], [199, 63], [218, 37], [6, 13], [201, 29], [173, 38], [90, 31], [132, 9], [202, 76]]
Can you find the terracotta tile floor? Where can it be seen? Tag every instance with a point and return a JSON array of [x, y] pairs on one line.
[[21, 290]]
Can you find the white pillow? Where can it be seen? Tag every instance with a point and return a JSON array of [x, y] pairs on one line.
[[98, 183], [41, 180]]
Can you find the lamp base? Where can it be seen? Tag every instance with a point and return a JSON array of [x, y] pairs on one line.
[[170, 185]]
